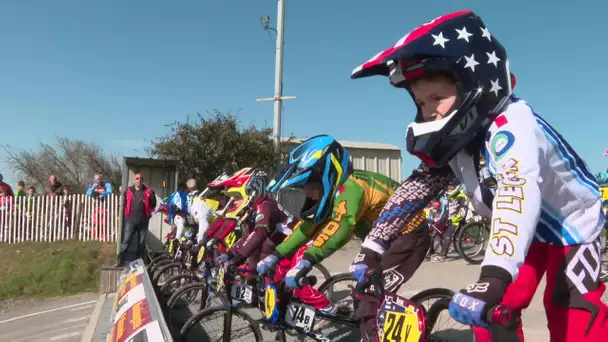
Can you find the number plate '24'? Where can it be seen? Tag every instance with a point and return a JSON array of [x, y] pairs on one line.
[[400, 320]]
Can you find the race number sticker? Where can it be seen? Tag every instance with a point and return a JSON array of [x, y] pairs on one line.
[[271, 312], [243, 293], [220, 279], [399, 320], [201, 255], [300, 316]]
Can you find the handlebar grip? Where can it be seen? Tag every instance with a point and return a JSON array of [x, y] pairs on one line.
[[501, 315], [305, 281]]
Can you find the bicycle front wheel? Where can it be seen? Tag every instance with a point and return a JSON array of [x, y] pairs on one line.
[[242, 326], [471, 240], [436, 330]]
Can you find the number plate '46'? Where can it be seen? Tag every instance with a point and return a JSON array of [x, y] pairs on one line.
[[400, 320]]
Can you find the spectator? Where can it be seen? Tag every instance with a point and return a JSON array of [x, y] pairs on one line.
[[192, 189], [31, 191], [100, 188], [55, 186], [67, 204], [8, 191], [139, 201], [20, 189], [4, 199]]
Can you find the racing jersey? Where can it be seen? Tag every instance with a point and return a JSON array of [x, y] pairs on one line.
[[268, 226], [544, 190], [356, 205], [195, 209]]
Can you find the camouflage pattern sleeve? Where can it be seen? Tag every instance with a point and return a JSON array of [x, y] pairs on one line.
[[406, 204]]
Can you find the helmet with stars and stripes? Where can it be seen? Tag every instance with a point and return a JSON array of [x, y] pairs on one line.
[[459, 46]]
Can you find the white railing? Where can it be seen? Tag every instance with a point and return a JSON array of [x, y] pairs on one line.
[[53, 218]]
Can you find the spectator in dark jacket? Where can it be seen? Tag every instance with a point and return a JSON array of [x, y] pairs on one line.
[[8, 191], [55, 188], [139, 201]]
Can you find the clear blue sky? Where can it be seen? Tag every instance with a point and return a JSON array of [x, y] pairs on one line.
[[115, 72]]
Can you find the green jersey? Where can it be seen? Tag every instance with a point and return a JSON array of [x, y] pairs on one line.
[[357, 205]]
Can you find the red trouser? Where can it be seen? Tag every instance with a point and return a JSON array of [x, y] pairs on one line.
[[572, 282], [308, 294]]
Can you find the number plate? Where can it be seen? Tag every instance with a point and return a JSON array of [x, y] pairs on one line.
[[300, 316], [220, 278], [244, 293], [271, 312], [201, 254], [400, 320]]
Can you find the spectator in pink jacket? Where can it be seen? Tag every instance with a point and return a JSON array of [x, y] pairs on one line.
[[8, 191]]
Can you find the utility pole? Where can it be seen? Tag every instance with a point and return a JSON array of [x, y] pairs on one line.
[[278, 73]]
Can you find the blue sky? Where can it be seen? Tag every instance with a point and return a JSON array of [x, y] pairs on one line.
[[115, 72]]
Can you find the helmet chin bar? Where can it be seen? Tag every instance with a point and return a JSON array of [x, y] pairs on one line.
[[222, 212]]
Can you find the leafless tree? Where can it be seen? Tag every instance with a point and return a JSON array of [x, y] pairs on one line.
[[74, 162]]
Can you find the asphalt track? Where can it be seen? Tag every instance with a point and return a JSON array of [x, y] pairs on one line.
[[62, 319]]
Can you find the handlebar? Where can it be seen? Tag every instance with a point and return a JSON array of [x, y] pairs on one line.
[[373, 285], [302, 281], [501, 315]]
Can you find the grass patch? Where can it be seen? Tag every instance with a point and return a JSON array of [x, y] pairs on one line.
[[38, 269]]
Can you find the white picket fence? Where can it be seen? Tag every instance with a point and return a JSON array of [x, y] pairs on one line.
[[53, 218]]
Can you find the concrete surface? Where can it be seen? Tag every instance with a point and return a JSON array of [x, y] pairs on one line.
[[62, 319]]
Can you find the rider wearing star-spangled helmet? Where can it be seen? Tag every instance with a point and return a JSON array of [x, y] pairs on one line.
[[546, 208]]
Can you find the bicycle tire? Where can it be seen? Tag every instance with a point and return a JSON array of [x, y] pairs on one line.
[[433, 293], [323, 270], [153, 255], [188, 287], [151, 269], [172, 303], [334, 279], [164, 289], [199, 316], [163, 269], [459, 238], [433, 313]]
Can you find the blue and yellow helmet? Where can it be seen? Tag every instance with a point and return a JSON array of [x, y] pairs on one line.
[[319, 159]]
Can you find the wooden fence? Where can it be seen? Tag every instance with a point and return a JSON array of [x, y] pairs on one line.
[[53, 218]]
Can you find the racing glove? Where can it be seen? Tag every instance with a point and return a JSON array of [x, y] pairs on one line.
[[469, 306], [222, 258], [365, 262], [267, 263], [296, 273], [211, 243]]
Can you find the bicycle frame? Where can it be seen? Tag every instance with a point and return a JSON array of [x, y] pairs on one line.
[[278, 298]]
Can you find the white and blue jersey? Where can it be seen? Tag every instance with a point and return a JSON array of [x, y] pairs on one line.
[[545, 192]]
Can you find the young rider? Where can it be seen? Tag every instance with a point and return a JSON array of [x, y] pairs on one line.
[[266, 227], [457, 205], [339, 203], [194, 208], [225, 227], [546, 215]]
